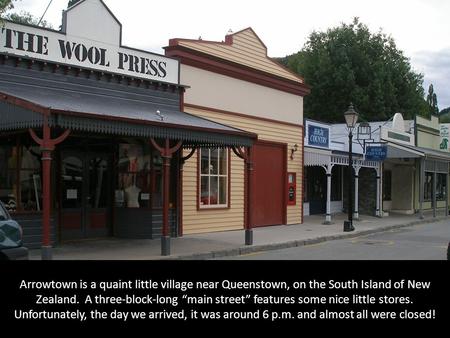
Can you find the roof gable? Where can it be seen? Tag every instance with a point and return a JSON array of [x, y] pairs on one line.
[[93, 20], [244, 48], [246, 39]]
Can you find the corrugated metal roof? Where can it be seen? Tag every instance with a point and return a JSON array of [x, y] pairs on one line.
[[88, 99]]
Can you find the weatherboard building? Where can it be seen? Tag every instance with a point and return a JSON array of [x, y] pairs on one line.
[[398, 167], [98, 139]]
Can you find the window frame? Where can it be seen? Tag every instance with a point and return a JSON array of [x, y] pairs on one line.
[[428, 188], [441, 187], [20, 142], [226, 205]]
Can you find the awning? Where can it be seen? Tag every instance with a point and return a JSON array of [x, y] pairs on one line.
[[435, 154], [90, 105], [395, 150], [422, 152]]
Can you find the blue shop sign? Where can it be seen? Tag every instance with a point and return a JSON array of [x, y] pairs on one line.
[[318, 136], [376, 153]]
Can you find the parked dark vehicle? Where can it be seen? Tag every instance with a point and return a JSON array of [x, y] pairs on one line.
[[11, 247]]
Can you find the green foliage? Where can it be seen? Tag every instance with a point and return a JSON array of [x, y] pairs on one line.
[[5, 5], [444, 115], [26, 18], [432, 101], [350, 64], [72, 2]]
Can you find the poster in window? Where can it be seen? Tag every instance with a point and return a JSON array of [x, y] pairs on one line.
[[37, 185]]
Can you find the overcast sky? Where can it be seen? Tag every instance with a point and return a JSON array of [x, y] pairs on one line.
[[421, 28]]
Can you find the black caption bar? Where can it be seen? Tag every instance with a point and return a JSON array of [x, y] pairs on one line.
[[191, 293]]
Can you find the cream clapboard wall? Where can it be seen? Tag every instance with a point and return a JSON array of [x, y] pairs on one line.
[[208, 89], [232, 219], [229, 95]]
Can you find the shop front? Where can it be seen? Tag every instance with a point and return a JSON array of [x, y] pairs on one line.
[[93, 135], [235, 82], [398, 166], [432, 178]]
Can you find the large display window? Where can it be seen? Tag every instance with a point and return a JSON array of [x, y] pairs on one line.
[[133, 186], [20, 176]]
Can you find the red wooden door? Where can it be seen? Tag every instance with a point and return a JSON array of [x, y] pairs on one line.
[[84, 195], [268, 184]]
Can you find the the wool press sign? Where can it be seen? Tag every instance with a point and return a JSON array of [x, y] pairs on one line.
[[53, 46]]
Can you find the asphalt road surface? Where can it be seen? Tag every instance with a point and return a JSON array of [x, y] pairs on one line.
[[420, 242]]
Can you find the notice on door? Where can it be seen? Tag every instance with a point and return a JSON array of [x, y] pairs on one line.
[[72, 194]]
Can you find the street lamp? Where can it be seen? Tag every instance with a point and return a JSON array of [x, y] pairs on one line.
[[351, 117]]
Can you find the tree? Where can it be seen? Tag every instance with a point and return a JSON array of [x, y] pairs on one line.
[[72, 2], [27, 18], [5, 5], [444, 115], [350, 64], [432, 101]]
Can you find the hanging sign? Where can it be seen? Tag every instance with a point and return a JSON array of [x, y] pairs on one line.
[[318, 136], [376, 153]]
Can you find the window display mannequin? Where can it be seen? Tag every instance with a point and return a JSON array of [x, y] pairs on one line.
[[132, 194]]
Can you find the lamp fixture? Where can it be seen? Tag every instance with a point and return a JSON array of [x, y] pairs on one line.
[[351, 117], [160, 116], [293, 150]]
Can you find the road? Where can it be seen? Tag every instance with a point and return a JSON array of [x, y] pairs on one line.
[[420, 242]]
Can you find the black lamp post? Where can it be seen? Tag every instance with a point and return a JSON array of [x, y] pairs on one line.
[[351, 117]]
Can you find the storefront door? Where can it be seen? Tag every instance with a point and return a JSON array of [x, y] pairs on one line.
[[317, 190], [85, 195], [268, 184]]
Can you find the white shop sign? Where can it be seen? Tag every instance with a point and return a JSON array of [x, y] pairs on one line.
[[54, 46]]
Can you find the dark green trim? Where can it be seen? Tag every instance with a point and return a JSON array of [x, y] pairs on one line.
[[399, 137], [433, 131]]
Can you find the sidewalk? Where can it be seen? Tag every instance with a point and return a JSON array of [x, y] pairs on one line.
[[231, 243]]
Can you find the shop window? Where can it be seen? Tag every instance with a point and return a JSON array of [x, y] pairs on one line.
[[20, 178], [428, 187], [157, 181], [30, 179], [133, 177], [441, 187], [8, 177], [98, 183], [336, 183], [387, 185], [72, 172], [213, 178]]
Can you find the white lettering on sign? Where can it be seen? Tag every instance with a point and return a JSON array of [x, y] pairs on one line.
[[318, 135], [57, 47]]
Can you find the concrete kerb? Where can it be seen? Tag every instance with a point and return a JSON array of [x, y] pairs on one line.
[[245, 250]]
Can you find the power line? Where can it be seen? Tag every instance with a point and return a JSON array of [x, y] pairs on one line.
[[45, 12]]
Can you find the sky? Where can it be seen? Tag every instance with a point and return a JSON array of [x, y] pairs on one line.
[[421, 28]]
